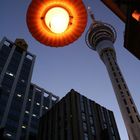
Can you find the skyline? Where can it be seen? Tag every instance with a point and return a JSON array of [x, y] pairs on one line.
[[75, 66]]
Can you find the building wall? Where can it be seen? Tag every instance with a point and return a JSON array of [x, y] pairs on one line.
[[21, 103], [38, 102], [75, 117]]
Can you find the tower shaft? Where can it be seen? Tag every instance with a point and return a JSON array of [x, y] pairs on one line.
[[127, 106]]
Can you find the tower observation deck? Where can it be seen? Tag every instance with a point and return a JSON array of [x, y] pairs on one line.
[[100, 37]]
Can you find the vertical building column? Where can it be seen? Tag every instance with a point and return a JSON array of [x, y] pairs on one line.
[[50, 100], [18, 134], [7, 63], [2, 42], [41, 103], [7, 108], [30, 113]]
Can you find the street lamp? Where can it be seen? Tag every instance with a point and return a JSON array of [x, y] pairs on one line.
[[56, 23], [57, 19]]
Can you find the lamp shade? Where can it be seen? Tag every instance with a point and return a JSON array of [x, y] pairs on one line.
[[41, 28]]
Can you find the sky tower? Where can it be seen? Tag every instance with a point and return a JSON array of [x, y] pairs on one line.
[[100, 37]]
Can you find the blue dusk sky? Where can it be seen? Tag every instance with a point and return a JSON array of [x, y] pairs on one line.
[[75, 66]]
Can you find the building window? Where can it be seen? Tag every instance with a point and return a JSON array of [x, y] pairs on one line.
[[29, 56], [134, 109], [85, 126], [91, 120], [125, 85], [119, 86], [83, 116], [92, 130], [131, 101], [34, 115], [114, 138], [117, 68], [38, 104], [85, 136], [117, 80], [138, 118], [131, 119], [23, 126], [8, 134], [112, 68], [89, 108], [124, 101], [102, 112], [115, 63], [122, 80], [122, 94], [27, 112], [120, 74], [10, 74], [82, 104], [112, 130], [128, 93], [114, 74], [128, 110], [19, 95]]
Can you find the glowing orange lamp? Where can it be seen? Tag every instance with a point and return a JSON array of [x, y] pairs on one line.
[[56, 23], [136, 15]]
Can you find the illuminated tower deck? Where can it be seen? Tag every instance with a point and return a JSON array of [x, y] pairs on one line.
[[100, 38]]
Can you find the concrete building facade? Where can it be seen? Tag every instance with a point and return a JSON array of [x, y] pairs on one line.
[[76, 117]]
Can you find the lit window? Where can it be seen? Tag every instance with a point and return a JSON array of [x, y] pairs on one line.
[[29, 100], [38, 104], [46, 107], [9, 135], [34, 115], [9, 73], [23, 126], [27, 112], [19, 95]]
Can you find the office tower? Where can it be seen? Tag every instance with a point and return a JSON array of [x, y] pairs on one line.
[[100, 38], [17, 98], [76, 117]]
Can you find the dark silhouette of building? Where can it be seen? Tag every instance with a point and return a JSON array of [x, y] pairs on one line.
[[21, 103], [76, 117], [129, 12]]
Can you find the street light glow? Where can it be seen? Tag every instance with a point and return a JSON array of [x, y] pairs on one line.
[[56, 23], [136, 15], [57, 19]]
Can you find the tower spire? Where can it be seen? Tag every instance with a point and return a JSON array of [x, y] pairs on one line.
[[91, 14]]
